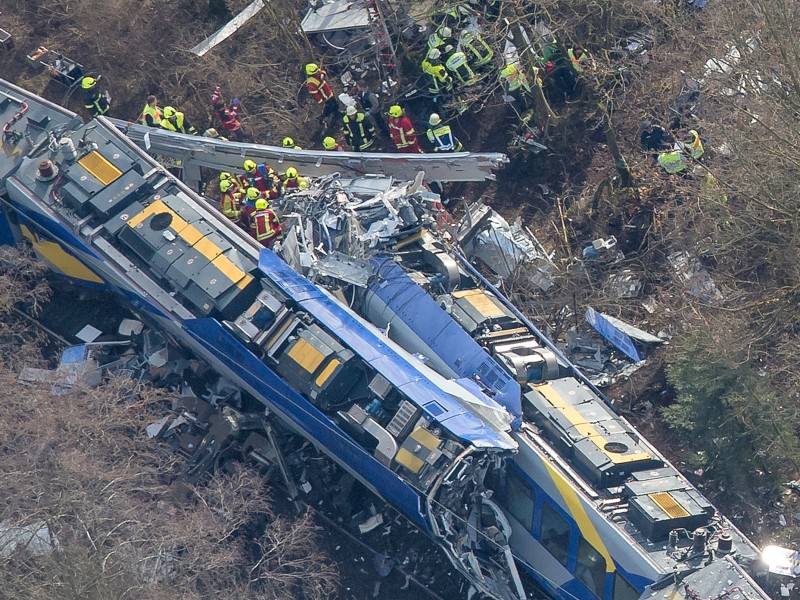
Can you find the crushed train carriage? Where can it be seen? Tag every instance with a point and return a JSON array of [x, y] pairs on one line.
[[373, 337]]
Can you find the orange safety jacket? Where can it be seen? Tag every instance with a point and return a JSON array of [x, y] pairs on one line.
[[403, 134], [265, 226], [318, 86]]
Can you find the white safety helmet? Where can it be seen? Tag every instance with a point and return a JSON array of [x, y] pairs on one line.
[[445, 32], [435, 53], [434, 120], [351, 110]]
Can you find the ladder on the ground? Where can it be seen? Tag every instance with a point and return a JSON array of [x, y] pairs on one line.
[[387, 57]]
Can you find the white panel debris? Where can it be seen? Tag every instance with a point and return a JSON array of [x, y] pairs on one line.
[[35, 539], [229, 28]]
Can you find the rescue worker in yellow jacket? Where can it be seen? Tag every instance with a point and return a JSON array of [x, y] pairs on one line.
[[694, 147], [174, 120], [475, 47], [458, 65], [151, 113], [440, 81], [230, 201]]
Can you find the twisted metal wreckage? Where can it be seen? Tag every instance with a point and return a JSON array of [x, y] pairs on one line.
[[370, 334]]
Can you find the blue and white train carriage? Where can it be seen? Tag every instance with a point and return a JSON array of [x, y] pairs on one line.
[[497, 447]]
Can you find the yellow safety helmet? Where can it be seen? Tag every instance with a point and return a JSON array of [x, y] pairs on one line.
[[225, 185], [169, 112], [224, 175], [253, 193], [311, 68], [261, 204], [291, 173], [288, 142], [329, 143], [445, 32], [249, 166], [395, 111], [434, 120], [88, 83]]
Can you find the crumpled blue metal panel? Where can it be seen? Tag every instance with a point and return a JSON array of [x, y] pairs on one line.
[[440, 332], [620, 340], [397, 368]]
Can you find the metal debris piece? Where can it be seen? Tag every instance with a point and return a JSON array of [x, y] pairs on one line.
[[485, 235], [695, 278], [229, 28], [634, 332], [335, 16], [36, 539], [620, 340], [624, 284], [371, 523], [78, 368], [342, 267]]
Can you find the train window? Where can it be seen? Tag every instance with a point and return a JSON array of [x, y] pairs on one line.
[[624, 590], [591, 568], [555, 533], [519, 499]]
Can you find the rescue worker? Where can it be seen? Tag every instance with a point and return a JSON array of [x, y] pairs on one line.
[[288, 143], [265, 226], [213, 133], [358, 132], [695, 146], [672, 162], [576, 58], [370, 104], [441, 136], [475, 47], [402, 131], [440, 82], [332, 145], [151, 113], [515, 83], [261, 177], [458, 65], [319, 88], [174, 120], [249, 206], [229, 201], [228, 116], [293, 181], [94, 100], [442, 38], [237, 185]]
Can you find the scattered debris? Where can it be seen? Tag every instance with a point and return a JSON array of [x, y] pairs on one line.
[[229, 28], [624, 284], [695, 278], [36, 539], [485, 235]]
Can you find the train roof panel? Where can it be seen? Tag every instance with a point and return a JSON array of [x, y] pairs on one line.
[[422, 386], [450, 342], [600, 444]]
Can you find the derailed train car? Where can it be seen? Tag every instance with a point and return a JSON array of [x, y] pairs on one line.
[[497, 447]]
